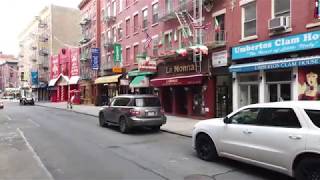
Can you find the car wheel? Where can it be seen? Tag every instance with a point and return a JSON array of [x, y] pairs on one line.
[[205, 148], [101, 120], [308, 169], [123, 125], [155, 128]]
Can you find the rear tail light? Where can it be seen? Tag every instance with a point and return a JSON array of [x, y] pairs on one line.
[[134, 112]]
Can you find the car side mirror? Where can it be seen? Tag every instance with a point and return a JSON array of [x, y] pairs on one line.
[[226, 120]]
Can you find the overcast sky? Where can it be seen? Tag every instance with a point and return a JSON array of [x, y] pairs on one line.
[[15, 15]]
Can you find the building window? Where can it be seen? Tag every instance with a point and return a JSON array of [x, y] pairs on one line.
[[155, 43], [145, 18], [135, 53], [281, 8], [219, 28], [114, 32], [169, 6], [155, 13], [135, 23], [114, 8], [127, 27], [120, 5], [127, 55], [127, 3], [108, 35], [120, 32], [167, 40], [108, 11], [249, 20]]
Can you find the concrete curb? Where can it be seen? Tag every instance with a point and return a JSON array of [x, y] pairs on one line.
[[74, 111]]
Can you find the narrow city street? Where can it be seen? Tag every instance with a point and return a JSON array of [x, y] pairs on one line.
[[65, 145]]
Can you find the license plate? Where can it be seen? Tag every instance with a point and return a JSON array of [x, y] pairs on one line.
[[151, 113]]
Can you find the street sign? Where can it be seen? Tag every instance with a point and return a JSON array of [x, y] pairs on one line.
[[117, 52], [34, 78], [95, 58]]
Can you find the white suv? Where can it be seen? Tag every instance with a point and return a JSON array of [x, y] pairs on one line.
[[282, 136]]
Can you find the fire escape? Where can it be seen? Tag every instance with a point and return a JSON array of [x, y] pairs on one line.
[[191, 25]]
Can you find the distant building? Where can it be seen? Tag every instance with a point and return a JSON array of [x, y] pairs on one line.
[[8, 72], [53, 28], [90, 38]]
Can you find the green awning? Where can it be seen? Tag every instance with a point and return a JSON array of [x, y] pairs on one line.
[[139, 82], [139, 73]]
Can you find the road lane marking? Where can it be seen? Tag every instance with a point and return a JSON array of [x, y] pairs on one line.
[[33, 122], [35, 156], [9, 118]]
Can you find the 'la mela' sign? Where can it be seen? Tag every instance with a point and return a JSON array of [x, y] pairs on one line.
[[309, 40]]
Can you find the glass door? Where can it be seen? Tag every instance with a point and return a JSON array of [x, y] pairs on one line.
[[249, 94], [279, 92]]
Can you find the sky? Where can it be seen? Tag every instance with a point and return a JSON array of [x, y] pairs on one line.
[[15, 15]]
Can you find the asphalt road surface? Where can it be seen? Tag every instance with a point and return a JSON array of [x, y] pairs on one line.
[[66, 145]]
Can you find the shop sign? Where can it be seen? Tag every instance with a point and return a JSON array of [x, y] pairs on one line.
[[95, 58], [304, 41], [147, 65], [75, 57], [277, 64], [309, 83], [55, 70], [220, 59], [124, 82], [117, 70], [34, 78], [181, 68], [117, 52]]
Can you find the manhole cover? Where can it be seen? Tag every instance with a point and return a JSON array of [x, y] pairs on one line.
[[198, 177]]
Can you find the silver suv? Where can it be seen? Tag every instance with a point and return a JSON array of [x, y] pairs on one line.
[[128, 111]]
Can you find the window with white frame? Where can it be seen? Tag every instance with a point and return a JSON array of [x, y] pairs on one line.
[[145, 18], [155, 13], [169, 6], [182, 36], [120, 31], [155, 42], [120, 5], [135, 23], [114, 8], [114, 32], [135, 52], [219, 30], [127, 27], [281, 8], [167, 40], [249, 19]]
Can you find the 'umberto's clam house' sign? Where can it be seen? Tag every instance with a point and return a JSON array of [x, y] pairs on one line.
[[305, 41]]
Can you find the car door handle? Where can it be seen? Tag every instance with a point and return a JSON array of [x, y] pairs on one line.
[[247, 132], [295, 137]]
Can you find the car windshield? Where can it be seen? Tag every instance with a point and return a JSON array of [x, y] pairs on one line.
[[314, 115], [147, 102]]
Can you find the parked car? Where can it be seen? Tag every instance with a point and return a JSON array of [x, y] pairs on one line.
[[129, 111], [1, 105], [26, 100], [283, 137]]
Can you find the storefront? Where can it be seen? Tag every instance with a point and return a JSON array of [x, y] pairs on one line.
[[108, 87], [140, 82], [184, 91], [291, 73]]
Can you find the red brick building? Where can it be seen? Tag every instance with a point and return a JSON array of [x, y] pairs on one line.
[[275, 51], [9, 76], [90, 25]]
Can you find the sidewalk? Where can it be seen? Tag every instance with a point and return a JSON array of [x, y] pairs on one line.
[[176, 125]]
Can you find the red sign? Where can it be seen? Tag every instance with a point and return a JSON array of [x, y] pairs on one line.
[[147, 65], [74, 62], [178, 80], [55, 68]]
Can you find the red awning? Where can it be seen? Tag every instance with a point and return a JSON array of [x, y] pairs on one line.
[[177, 80]]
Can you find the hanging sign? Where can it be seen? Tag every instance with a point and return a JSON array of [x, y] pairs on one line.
[[95, 58], [117, 52]]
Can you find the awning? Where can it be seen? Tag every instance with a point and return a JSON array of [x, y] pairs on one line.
[[139, 82], [63, 80], [52, 82], [107, 79], [177, 80], [139, 73], [74, 80], [276, 64]]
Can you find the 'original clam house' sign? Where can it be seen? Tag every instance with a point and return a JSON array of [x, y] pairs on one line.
[[309, 40], [181, 68]]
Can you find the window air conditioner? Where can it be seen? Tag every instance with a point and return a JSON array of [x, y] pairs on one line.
[[279, 23]]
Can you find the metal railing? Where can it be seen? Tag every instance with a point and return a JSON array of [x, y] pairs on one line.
[[85, 21], [43, 52], [169, 12]]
